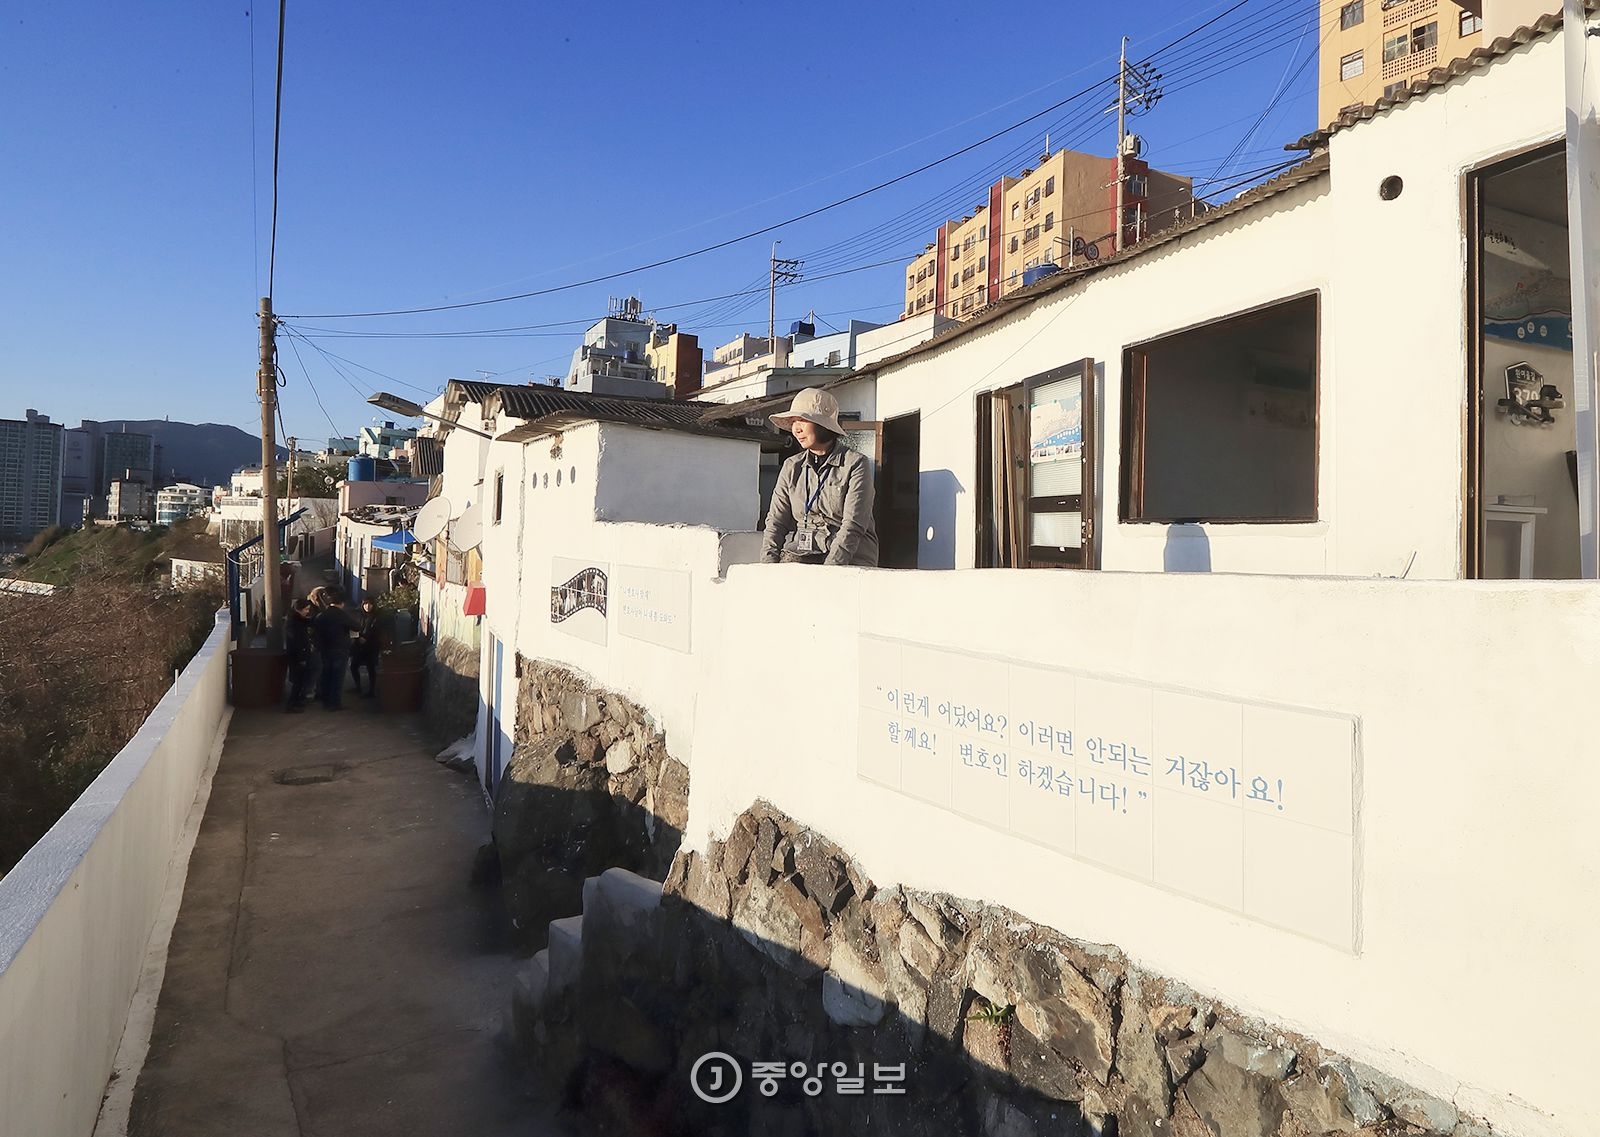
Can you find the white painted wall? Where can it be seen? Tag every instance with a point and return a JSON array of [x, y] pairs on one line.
[[1393, 364], [543, 520], [675, 478], [1474, 835], [76, 913]]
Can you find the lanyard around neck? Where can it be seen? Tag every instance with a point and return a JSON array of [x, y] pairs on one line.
[[811, 498]]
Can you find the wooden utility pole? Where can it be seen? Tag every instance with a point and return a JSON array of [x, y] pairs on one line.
[[267, 388]]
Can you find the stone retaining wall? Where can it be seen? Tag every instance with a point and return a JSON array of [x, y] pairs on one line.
[[450, 701], [775, 947], [590, 786]]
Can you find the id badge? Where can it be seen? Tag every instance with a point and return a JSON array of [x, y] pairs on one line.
[[805, 540]]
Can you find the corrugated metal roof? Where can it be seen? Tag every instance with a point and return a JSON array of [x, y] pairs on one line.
[[1438, 77], [469, 391], [548, 409]]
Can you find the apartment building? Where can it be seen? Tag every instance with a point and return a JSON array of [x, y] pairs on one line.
[[1057, 212], [676, 359], [127, 456], [30, 476], [1373, 49]]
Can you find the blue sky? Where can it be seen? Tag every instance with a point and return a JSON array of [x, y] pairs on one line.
[[438, 154]]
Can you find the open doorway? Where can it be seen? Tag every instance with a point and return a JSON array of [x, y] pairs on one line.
[[1522, 488], [898, 492]]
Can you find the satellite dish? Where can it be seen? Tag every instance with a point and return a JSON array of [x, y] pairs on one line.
[[431, 519], [468, 529]]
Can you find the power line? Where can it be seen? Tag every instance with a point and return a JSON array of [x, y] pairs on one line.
[[255, 174], [337, 433], [277, 133], [767, 228], [310, 333]]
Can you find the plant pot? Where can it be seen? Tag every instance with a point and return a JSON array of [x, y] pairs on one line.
[[258, 676]]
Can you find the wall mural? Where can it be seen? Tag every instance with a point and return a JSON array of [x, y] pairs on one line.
[[1527, 284]]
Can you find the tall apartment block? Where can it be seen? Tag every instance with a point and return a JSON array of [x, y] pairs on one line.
[[1374, 49], [128, 456], [30, 476], [1062, 211]]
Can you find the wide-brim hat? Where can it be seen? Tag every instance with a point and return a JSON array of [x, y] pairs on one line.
[[814, 405]]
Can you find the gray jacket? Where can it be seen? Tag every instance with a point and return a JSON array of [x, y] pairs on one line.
[[840, 497]]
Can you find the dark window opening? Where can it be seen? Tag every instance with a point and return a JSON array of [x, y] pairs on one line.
[[1220, 422]]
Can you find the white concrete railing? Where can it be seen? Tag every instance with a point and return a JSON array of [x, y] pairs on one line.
[[77, 911], [1467, 735]]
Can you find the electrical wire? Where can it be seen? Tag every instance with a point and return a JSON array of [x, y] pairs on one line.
[[255, 174], [277, 134], [337, 433], [771, 227]]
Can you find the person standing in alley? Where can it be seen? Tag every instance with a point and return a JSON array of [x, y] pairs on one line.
[[297, 642], [821, 510], [369, 642], [332, 628]]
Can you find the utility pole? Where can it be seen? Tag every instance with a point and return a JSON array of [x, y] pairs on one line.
[[1137, 93], [785, 272], [288, 485], [267, 388], [1122, 136]]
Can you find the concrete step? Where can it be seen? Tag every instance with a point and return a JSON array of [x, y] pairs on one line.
[[565, 955]]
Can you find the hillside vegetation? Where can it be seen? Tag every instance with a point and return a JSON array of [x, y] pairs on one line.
[[82, 669], [55, 555]]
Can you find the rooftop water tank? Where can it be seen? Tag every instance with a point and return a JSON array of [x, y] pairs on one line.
[[363, 470], [1039, 272]]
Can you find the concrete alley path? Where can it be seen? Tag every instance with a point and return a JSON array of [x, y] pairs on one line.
[[333, 973]]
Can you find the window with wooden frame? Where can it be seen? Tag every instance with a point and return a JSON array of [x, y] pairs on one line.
[[1220, 422]]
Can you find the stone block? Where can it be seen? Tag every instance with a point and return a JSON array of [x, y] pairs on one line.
[[1235, 1091], [587, 748], [705, 889], [854, 989], [1039, 1068], [1140, 1059], [1059, 1006], [580, 711], [768, 836], [619, 756], [919, 951], [737, 849], [1271, 1062], [773, 921]]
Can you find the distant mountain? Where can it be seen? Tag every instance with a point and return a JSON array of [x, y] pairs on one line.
[[206, 453]]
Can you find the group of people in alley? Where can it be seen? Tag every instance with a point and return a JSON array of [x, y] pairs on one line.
[[324, 640]]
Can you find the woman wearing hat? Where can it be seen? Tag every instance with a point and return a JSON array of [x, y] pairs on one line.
[[822, 508]]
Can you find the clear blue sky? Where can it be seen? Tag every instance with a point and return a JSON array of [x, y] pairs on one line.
[[434, 154]]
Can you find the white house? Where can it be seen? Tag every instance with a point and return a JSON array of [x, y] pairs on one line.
[[1319, 394], [1306, 380]]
